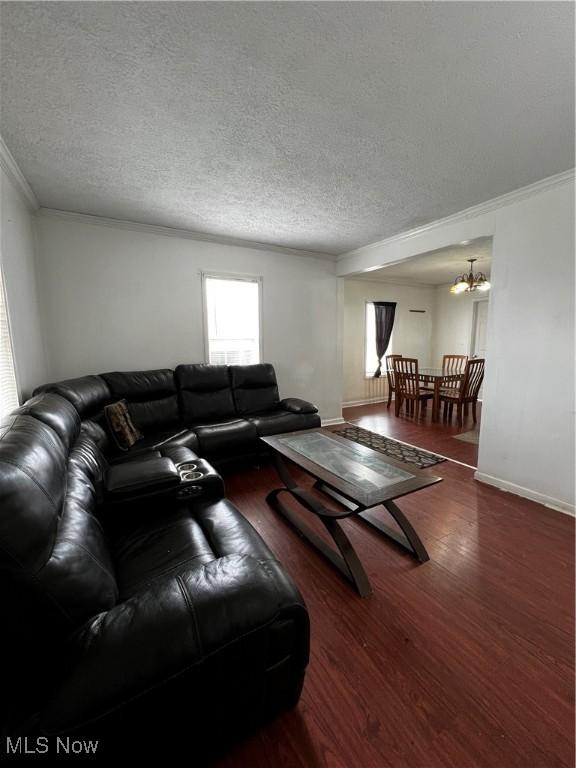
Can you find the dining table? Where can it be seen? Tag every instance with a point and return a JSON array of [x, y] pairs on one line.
[[438, 379]]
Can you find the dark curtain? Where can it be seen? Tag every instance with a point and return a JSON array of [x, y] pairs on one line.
[[384, 312]]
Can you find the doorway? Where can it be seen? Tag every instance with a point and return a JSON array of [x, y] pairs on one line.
[[431, 321], [478, 346]]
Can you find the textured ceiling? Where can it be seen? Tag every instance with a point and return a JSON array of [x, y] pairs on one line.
[[438, 267], [320, 126]]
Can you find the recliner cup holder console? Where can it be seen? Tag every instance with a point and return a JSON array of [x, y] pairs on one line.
[[189, 472], [140, 479], [202, 481]]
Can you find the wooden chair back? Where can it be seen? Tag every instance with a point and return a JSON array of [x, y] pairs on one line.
[[390, 371], [454, 364], [473, 377], [406, 372]]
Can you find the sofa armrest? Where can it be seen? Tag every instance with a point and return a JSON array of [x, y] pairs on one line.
[[181, 635], [296, 405], [135, 479]]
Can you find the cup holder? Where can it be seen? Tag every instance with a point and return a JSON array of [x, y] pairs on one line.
[[189, 472], [187, 467], [190, 476]]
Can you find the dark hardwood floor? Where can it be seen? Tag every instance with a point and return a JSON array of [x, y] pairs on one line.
[[466, 661], [439, 437]]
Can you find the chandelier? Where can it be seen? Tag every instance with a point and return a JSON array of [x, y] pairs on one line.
[[470, 282]]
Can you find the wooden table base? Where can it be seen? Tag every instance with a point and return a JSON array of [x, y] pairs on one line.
[[347, 561], [344, 557], [408, 539]]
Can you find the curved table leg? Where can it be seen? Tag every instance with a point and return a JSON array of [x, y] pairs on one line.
[[408, 538], [345, 558]]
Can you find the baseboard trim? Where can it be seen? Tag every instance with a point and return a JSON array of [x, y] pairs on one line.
[[367, 401], [332, 422], [526, 493]]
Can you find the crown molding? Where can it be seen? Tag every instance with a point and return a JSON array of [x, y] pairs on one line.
[[399, 281], [187, 234], [488, 206], [10, 167], [409, 282]]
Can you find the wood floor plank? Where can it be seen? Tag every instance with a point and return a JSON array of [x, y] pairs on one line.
[[466, 661]]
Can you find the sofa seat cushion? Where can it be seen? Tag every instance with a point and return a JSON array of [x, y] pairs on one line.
[[182, 539], [139, 449], [158, 441], [178, 453], [175, 544], [230, 437], [185, 438], [276, 422]]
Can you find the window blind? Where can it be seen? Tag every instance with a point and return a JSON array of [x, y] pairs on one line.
[[8, 388], [233, 320]]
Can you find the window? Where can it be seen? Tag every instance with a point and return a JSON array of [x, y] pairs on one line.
[[232, 306], [370, 351], [8, 388]]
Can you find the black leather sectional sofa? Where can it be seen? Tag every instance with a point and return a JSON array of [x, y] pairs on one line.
[[157, 624], [217, 411]]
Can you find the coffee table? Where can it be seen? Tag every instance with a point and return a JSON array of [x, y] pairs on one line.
[[358, 478]]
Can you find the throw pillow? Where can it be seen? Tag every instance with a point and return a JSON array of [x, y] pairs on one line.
[[120, 425]]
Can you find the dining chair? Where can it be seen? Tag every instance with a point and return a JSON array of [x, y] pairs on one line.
[[390, 376], [408, 387], [466, 393], [453, 365]]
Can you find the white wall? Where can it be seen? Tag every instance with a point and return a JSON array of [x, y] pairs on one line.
[[527, 432], [119, 299], [453, 317], [411, 335], [17, 251]]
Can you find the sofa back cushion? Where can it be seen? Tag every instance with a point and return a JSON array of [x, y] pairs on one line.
[[254, 388], [56, 412], [80, 573], [51, 544], [32, 484], [205, 393], [151, 396], [88, 394]]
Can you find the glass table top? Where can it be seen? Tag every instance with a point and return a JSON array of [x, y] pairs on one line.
[[354, 463], [438, 373]]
